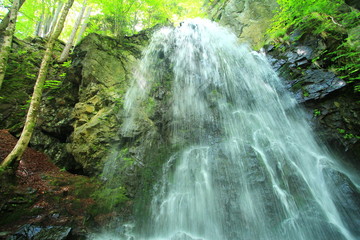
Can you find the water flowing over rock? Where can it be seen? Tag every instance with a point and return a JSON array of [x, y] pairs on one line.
[[246, 165], [331, 104]]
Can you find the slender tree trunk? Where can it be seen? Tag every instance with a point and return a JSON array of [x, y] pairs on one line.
[[7, 40], [47, 24], [54, 21], [84, 25], [34, 108], [38, 30], [65, 52], [5, 20], [48, 19], [38, 26]]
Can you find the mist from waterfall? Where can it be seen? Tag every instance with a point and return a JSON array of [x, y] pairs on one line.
[[249, 166]]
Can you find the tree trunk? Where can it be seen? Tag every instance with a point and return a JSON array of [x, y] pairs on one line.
[[65, 52], [48, 19], [34, 108], [39, 25], [47, 24], [7, 40], [57, 12], [84, 25], [5, 21]]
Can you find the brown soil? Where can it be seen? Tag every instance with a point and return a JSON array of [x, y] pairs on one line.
[[39, 192]]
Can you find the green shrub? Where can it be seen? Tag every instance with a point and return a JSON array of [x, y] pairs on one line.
[[328, 19]]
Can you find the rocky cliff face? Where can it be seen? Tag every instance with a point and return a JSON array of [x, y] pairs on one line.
[[101, 69], [248, 19]]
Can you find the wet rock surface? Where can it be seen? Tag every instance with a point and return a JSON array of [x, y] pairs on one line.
[[332, 105], [29, 231], [305, 81], [346, 197]]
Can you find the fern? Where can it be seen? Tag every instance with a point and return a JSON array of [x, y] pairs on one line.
[[323, 18]]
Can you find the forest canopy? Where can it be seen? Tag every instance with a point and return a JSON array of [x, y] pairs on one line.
[[114, 18]]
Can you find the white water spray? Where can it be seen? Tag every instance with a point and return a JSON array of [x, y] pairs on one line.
[[249, 166]]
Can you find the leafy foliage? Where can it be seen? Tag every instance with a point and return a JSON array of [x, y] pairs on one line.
[[346, 134], [332, 20], [113, 18], [125, 17], [294, 14]]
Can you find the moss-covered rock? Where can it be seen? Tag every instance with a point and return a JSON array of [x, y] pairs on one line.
[[102, 67], [247, 18], [20, 77], [79, 117]]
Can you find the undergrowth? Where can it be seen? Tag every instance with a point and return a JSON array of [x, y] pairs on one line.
[[331, 20]]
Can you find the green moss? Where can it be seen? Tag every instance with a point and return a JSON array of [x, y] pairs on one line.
[[107, 199], [347, 135], [149, 174], [317, 112], [20, 77], [150, 106], [305, 93], [297, 86]]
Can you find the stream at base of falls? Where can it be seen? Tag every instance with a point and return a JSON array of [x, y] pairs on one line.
[[248, 166]]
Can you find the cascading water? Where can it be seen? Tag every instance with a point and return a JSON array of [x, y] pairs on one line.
[[248, 165]]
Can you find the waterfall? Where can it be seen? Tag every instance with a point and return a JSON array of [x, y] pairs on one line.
[[247, 165]]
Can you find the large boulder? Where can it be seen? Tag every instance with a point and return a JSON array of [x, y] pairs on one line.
[[101, 67]]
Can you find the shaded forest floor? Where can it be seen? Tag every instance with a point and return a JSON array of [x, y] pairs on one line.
[[40, 193]]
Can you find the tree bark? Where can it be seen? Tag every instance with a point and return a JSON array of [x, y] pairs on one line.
[[34, 108], [39, 25], [84, 25], [48, 19], [54, 21], [47, 24], [65, 52], [5, 21], [7, 40]]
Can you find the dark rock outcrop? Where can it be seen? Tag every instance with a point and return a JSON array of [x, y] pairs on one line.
[[332, 104], [29, 231]]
